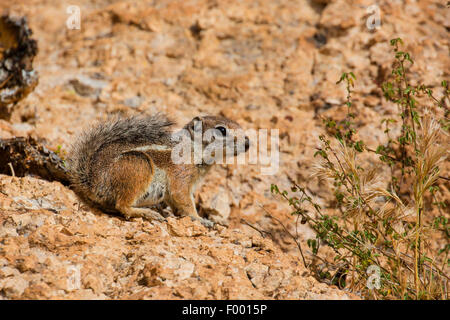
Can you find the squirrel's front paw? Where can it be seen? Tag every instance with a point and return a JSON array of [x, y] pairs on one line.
[[147, 214], [207, 223], [156, 216]]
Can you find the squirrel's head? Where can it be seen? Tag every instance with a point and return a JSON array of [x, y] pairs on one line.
[[218, 136]]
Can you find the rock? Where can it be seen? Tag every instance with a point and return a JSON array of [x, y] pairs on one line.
[[72, 256], [184, 227], [17, 52], [87, 87], [133, 102], [93, 282], [257, 273], [150, 275], [323, 1], [27, 263], [217, 206], [13, 287], [268, 66], [339, 14]]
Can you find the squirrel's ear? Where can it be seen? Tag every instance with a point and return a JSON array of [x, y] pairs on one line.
[[194, 125]]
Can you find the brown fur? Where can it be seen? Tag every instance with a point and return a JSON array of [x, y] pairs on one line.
[[116, 168]]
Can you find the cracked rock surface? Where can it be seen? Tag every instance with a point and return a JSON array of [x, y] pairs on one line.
[[52, 248], [265, 64]]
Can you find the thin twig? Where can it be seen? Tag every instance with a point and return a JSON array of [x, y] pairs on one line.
[[262, 232], [287, 231], [12, 169]]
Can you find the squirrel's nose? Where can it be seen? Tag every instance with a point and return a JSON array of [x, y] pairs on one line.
[[247, 143]]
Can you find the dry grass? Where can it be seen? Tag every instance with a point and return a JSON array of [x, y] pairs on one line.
[[379, 229]]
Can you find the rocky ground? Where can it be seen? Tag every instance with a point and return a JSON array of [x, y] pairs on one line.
[[267, 65]]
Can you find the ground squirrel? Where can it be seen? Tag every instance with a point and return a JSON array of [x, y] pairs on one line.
[[127, 165]]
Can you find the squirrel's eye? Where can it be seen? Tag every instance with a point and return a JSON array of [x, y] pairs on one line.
[[222, 130]]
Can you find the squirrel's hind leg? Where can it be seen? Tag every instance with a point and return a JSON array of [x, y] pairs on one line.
[[130, 176]]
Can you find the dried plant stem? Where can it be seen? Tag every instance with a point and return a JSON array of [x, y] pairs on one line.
[[287, 232], [417, 252]]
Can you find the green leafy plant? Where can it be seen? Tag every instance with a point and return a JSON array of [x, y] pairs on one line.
[[382, 218]]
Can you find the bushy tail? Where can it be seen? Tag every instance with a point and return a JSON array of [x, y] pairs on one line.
[[153, 129]]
